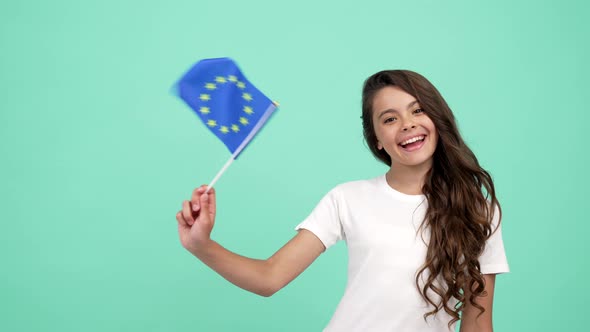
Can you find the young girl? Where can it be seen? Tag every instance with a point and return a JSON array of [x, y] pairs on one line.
[[424, 239]]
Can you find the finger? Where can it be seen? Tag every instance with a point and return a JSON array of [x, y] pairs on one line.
[[180, 219], [212, 203], [195, 205], [205, 207], [187, 213], [197, 194]]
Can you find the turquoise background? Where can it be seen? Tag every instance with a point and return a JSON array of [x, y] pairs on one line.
[[97, 154]]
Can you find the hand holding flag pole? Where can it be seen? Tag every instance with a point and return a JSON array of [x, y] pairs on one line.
[[227, 103]]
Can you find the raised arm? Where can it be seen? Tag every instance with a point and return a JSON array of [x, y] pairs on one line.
[[263, 277], [470, 322]]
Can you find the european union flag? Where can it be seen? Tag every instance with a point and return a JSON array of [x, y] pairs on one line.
[[229, 105]]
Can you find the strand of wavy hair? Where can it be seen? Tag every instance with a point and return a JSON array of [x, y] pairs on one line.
[[459, 214]]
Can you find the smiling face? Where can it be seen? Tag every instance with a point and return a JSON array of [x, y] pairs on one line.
[[402, 128]]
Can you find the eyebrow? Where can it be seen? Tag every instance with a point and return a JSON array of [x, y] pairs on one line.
[[391, 110]]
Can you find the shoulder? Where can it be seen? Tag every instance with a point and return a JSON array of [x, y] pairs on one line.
[[356, 187], [494, 215]]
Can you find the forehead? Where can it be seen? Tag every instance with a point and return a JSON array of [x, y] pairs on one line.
[[391, 97]]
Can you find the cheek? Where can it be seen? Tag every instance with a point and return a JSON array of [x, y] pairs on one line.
[[435, 141], [431, 127], [378, 137]]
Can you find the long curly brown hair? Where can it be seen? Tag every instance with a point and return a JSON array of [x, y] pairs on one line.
[[460, 195]]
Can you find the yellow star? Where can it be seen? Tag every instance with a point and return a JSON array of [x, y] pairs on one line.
[[241, 85], [248, 110], [232, 78], [204, 97], [247, 96], [243, 121], [224, 129], [235, 128], [220, 79], [212, 123], [204, 110]]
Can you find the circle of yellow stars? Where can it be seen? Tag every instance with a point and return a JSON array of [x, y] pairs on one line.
[[247, 110]]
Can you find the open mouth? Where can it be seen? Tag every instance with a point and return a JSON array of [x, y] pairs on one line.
[[413, 143]]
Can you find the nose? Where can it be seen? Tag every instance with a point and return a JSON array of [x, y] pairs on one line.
[[407, 127], [408, 123]]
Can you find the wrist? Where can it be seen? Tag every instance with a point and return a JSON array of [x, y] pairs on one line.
[[202, 249]]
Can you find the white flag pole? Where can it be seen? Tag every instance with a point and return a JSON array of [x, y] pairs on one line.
[[271, 108], [231, 160]]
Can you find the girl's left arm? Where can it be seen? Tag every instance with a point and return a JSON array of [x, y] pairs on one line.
[[470, 321]]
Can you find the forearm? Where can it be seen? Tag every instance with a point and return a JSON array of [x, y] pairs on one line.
[[472, 319], [253, 275], [474, 327]]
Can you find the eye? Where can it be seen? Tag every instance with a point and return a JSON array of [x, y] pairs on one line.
[[418, 110], [389, 120]]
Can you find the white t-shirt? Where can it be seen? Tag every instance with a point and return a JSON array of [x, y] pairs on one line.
[[385, 251]]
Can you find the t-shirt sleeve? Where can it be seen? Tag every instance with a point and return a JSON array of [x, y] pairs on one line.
[[493, 259], [324, 221]]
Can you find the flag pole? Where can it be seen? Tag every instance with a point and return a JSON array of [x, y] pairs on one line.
[[271, 108], [221, 171]]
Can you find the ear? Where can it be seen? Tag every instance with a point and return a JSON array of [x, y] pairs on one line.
[[379, 146]]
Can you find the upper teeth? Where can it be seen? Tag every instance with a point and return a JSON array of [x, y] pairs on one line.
[[412, 140]]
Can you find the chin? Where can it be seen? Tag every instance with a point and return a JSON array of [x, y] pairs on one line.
[[417, 163]]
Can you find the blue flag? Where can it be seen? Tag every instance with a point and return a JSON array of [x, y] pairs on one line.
[[227, 103]]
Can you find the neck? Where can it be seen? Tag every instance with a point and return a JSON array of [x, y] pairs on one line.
[[408, 179]]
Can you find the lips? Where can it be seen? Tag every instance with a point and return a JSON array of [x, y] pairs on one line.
[[413, 143]]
